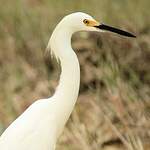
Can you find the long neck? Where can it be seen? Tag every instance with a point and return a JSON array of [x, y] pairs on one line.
[[68, 88]]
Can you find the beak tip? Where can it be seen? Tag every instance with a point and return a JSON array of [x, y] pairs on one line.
[[132, 35]]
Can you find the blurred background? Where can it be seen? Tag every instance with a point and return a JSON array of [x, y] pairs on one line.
[[113, 108]]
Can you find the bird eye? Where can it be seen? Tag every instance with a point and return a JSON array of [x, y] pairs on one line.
[[86, 21]]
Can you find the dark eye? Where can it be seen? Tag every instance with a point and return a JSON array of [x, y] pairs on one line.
[[86, 21]]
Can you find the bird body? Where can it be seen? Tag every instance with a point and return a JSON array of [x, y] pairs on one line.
[[39, 127], [33, 126]]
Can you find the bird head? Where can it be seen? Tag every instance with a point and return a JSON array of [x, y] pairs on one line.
[[83, 22]]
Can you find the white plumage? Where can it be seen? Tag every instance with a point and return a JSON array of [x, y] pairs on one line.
[[42, 123]]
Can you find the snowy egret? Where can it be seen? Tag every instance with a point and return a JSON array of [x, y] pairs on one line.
[[39, 127]]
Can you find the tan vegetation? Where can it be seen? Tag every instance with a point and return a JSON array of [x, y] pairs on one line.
[[113, 108]]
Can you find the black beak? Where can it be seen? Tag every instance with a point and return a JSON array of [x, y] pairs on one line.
[[115, 30]]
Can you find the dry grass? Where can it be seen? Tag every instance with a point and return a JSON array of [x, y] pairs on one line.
[[113, 108]]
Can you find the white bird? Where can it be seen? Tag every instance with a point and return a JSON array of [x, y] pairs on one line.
[[39, 127]]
